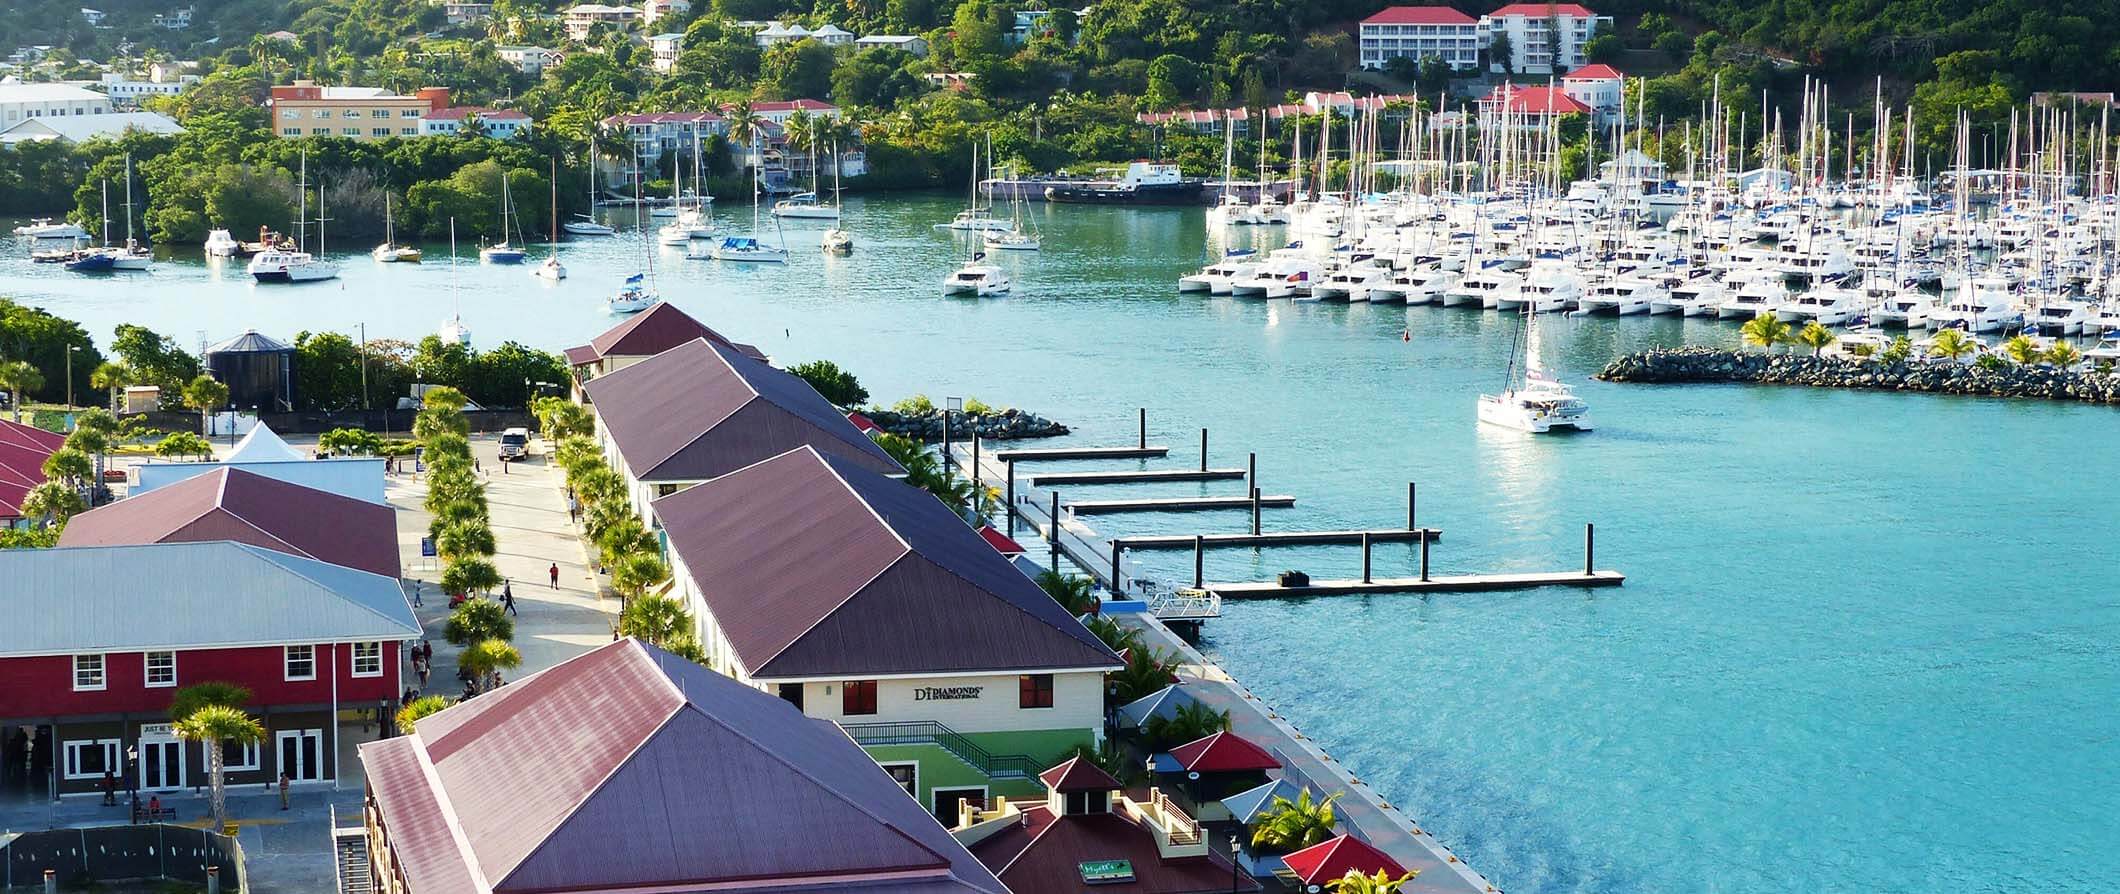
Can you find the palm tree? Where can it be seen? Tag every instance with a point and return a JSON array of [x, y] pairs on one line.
[[1289, 826], [70, 466], [2063, 355], [216, 725], [745, 125], [418, 708], [469, 575], [183, 443], [634, 573], [478, 620], [1073, 592], [18, 376], [1816, 336], [486, 657], [205, 395], [1147, 670], [800, 131], [1766, 331], [1354, 882], [464, 540], [657, 620], [1951, 344], [1118, 637], [53, 502], [1189, 723], [2023, 351], [113, 377], [188, 700]]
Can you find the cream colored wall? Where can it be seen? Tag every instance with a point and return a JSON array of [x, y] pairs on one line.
[[1078, 703]]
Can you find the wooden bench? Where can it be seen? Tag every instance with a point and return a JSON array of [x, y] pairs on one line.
[[144, 815]]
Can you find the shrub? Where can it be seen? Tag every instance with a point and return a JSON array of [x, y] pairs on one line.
[[917, 405], [478, 620], [837, 385]]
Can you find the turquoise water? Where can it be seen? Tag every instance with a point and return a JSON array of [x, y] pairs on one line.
[[1867, 643]]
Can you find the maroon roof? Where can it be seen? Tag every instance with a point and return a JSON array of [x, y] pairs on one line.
[[1419, 15], [701, 409], [817, 568], [1045, 855], [1002, 543], [232, 504], [1328, 861], [655, 330], [1223, 752], [629, 767], [1078, 775], [23, 450]]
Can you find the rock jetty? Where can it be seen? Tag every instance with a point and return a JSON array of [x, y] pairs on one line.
[[1680, 365], [1006, 425]]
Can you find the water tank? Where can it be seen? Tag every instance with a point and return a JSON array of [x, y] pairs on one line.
[[258, 370]]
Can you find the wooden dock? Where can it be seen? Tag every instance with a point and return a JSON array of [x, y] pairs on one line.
[[1141, 476], [1054, 454], [1452, 583], [1178, 504], [1278, 538]]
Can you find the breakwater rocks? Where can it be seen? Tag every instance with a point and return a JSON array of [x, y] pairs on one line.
[[1680, 365], [1005, 425]]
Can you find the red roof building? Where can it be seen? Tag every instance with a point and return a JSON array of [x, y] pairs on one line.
[[1086, 834], [648, 333], [1419, 33], [232, 504], [1542, 10], [1223, 752], [1420, 15], [1543, 38], [23, 450], [1595, 72], [1532, 102], [630, 769], [1329, 861]]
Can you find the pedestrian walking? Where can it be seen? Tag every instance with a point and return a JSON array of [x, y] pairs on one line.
[[554, 572], [285, 781], [508, 598], [110, 789], [416, 603], [420, 667], [574, 508]]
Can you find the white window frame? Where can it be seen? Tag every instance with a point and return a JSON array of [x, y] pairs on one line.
[[250, 750], [887, 766], [102, 672], [377, 657], [147, 669], [287, 660], [71, 754]]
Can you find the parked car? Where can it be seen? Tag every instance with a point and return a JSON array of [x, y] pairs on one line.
[[515, 444]]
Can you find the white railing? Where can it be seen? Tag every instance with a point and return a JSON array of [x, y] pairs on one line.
[[1177, 835], [1185, 604]]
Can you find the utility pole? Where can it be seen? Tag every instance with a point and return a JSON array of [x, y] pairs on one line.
[[364, 367]]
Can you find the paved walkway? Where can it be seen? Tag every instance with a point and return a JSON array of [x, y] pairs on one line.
[[284, 851], [1363, 808]]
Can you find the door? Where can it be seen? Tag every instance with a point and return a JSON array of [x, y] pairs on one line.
[[302, 754], [161, 764]]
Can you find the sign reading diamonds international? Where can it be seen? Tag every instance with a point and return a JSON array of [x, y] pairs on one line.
[[945, 693]]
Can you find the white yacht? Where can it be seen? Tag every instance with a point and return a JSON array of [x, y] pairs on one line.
[[805, 206], [1013, 239], [1831, 306], [287, 265], [221, 244], [1908, 309], [1623, 295], [1426, 286], [44, 228], [1352, 282], [584, 225], [2061, 317], [976, 278], [633, 297], [1701, 296], [1549, 289], [1757, 296], [390, 252], [1217, 278], [1982, 304], [746, 249], [1233, 212], [1539, 403], [1280, 277], [1481, 288], [836, 241], [551, 269]]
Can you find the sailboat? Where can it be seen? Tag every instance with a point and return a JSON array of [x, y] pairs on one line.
[[390, 252], [837, 240], [279, 264], [1233, 210], [95, 260], [1539, 403], [133, 256], [804, 205], [1015, 238], [504, 251], [975, 217], [748, 248], [638, 292], [588, 225], [552, 269]]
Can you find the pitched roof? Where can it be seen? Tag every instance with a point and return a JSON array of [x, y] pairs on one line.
[[457, 113], [1328, 860], [80, 128], [1543, 10], [216, 595], [1002, 543], [1535, 100], [1078, 775], [23, 450], [1597, 71], [1420, 15], [1249, 803], [807, 105], [1223, 752], [263, 445], [625, 768], [702, 409], [1044, 855], [232, 504], [250, 342], [1163, 703], [815, 567], [659, 328]]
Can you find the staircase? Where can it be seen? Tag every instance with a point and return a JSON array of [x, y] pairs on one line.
[[928, 732], [350, 852]]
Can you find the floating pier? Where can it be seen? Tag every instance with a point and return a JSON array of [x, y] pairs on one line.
[[1444, 583], [1053, 454], [1180, 504], [1142, 476], [1277, 538]]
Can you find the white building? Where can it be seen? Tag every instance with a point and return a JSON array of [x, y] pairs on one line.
[[1419, 32], [529, 60], [654, 133], [779, 112], [498, 123], [94, 17], [1601, 87], [915, 45], [1543, 38], [832, 35], [666, 47], [79, 128], [579, 19], [174, 21], [656, 10], [458, 12], [124, 91], [776, 33], [20, 102]]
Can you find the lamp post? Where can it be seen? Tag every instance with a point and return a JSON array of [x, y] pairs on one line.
[[132, 779], [1235, 874], [951, 406], [71, 350]]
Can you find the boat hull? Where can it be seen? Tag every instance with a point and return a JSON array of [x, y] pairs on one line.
[[1191, 192]]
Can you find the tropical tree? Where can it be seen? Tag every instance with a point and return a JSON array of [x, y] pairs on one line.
[[464, 540], [657, 620], [418, 708], [1816, 336], [454, 513], [1288, 826], [216, 726], [443, 398], [1115, 635], [633, 574], [2022, 350], [745, 125], [69, 465], [1898, 351], [18, 376], [1354, 882], [836, 384], [469, 575], [188, 700], [1766, 331], [113, 377], [181, 444], [1191, 722], [481, 659], [1073, 592], [2063, 355], [351, 441], [435, 421], [53, 502], [1951, 344], [477, 620], [1147, 670], [205, 395]]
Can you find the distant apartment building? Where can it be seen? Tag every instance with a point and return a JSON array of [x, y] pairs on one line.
[[917, 46], [1418, 32], [502, 124], [1543, 38], [529, 60], [458, 12], [124, 91], [665, 48], [657, 10], [1601, 87], [579, 19], [655, 133], [305, 109], [177, 20], [20, 102], [94, 17]]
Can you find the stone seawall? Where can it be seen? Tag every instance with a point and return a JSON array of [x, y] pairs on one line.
[[1009, 424], [1680, 365]]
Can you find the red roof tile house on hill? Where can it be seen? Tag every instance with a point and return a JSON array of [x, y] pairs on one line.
[[23, 450], [866, 601], [232, 504], [702, 409], [100, 638], [628, 769]]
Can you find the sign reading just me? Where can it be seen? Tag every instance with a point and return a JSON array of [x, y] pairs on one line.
[[945, 693]]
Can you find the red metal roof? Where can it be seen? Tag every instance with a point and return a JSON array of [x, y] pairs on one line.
[[1078, 775], [1327, 861], [1543, 10], [1223, 752], [1536, 100], [1595, 72], [702, 409], [623, 768], [655, 330], [454, 113], [23, 450], [807, 105], [1420, 15], [1045, 856], [862, 423], [1002, 543], [232, 504], [815, 567]]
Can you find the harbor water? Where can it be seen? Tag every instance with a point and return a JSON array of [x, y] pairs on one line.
[[1868, 642]]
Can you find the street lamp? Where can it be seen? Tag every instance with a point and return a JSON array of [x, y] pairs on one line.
[[132, 779], [71, 350], [1235, 874], [951, 406]]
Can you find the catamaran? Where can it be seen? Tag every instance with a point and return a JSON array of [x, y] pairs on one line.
[[976, 277], [747, 249], [1539, 403], [390, 252], [280, 264]]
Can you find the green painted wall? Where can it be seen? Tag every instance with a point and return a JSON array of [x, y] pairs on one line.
[[941, 769], [1047, 746]]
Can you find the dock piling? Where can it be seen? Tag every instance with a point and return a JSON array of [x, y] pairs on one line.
[[1365, 557], [1143, 443], [1052, 531], [1255, 512], [1203, 450], [1251, 471], [1010, 470], [1411, 504], [1116, 588], [1589, 548], [1199, 561], [1424, 555]]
